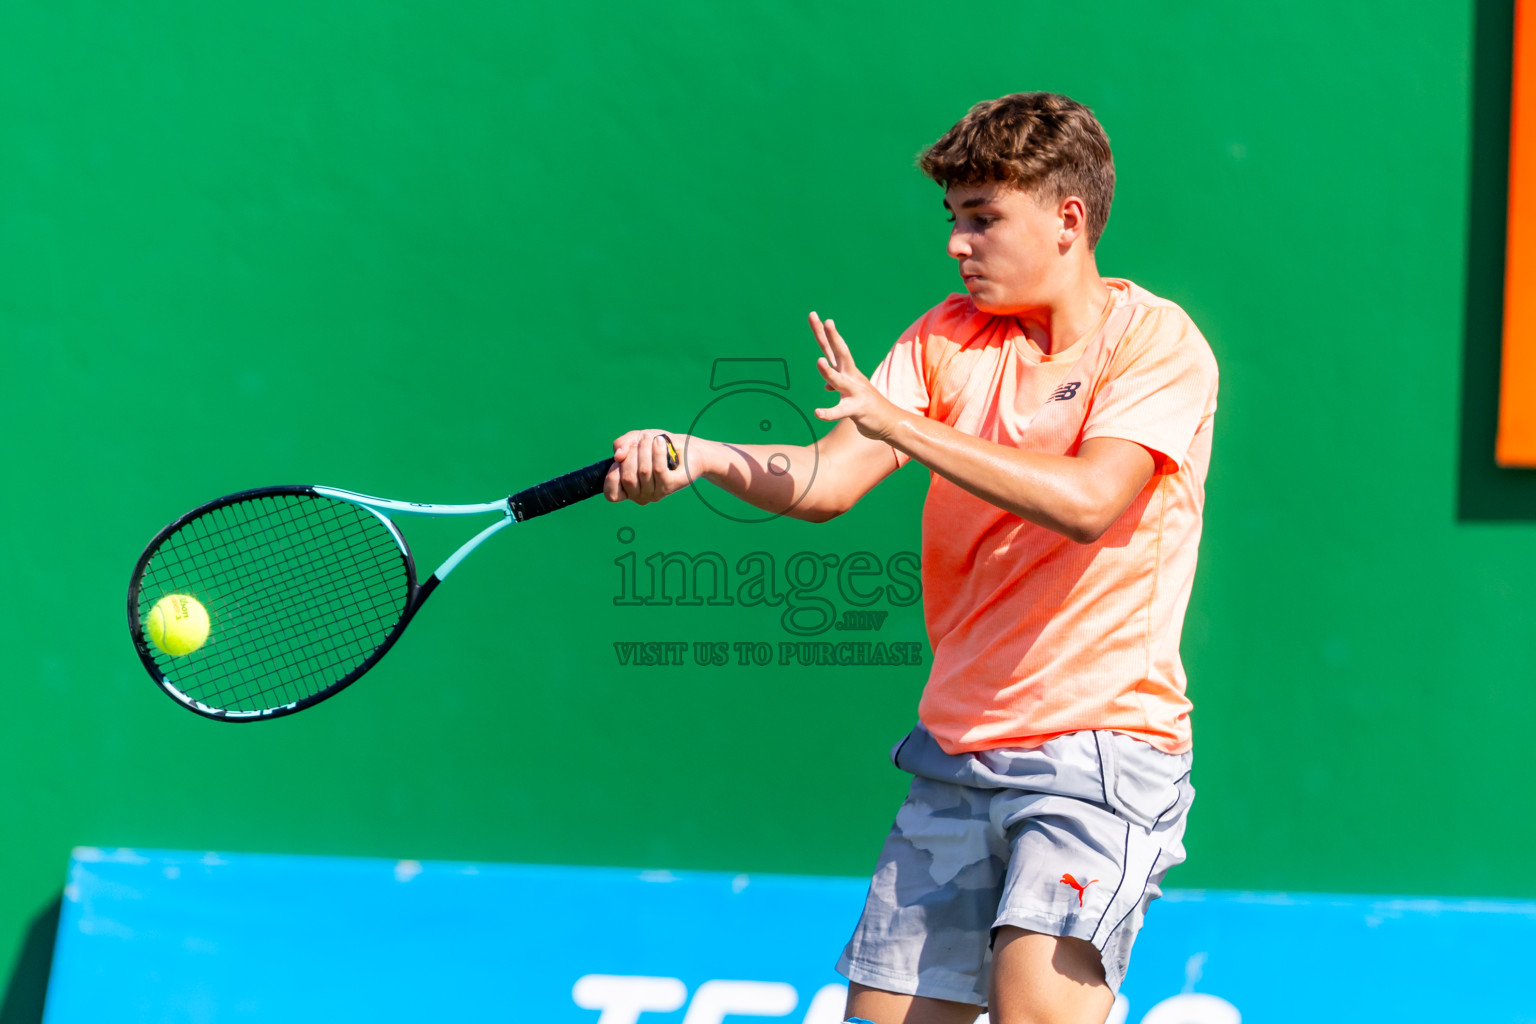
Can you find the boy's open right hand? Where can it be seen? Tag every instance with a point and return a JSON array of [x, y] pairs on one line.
[[640, 470]]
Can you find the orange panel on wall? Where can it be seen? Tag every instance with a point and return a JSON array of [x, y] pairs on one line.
[[1517, 388]]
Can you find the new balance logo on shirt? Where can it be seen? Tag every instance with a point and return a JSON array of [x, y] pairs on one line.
[[1065, 392]]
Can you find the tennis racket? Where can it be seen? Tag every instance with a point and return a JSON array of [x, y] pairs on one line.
[[305, 588]]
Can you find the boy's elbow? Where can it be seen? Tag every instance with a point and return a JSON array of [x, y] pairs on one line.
[[1081, 533], [817, 515], [1091, 521], [829, 504]]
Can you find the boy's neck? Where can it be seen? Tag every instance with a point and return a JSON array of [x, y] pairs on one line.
[[1077, 309]]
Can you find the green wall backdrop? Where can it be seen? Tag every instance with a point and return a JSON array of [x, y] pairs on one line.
[[441, 251]]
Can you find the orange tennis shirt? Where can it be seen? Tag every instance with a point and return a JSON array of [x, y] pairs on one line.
[[1035, 635]]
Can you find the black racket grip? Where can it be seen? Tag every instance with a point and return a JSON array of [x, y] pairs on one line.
[[568, 489], [559, 492]]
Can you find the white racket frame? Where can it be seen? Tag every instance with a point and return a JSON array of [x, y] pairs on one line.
[[378, 506]]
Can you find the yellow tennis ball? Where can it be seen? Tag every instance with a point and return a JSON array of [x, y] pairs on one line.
[[177, 624]]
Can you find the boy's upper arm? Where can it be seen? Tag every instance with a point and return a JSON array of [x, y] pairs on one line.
[[853, 463], [859, 463], [902, 376]]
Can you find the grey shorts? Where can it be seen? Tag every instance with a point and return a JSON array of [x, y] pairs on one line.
[[1071, 838]]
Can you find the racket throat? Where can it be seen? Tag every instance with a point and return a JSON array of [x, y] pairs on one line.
[[463, 553]]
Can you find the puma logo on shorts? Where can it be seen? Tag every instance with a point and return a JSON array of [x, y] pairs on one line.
[[1079, 886]]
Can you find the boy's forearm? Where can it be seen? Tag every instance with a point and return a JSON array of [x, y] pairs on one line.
[[771, 477], [1058, 492]]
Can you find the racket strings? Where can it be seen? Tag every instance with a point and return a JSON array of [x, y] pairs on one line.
[[319, 582], [334, 595], [302, 659], [326, 600], [301, 590], [289, 642], [260, 558]]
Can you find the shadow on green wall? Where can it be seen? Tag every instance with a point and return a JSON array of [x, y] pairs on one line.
[[1485, 490], [28, 987]]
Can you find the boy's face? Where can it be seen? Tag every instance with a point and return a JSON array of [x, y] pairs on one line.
[[1008, 245]]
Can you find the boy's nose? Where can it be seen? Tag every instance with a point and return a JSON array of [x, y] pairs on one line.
[[959, 248]]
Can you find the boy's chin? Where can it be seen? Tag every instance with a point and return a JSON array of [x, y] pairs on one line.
[[996, 301], [998, 307]]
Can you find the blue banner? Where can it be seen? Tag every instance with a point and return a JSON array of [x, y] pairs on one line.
[[170, 936]]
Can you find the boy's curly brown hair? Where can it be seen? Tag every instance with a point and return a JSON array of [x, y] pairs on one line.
[[1039, 142]]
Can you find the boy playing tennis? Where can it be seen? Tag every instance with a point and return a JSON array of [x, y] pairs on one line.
[[1066, 421]]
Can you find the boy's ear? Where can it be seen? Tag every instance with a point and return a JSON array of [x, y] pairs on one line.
[[1073, 213]]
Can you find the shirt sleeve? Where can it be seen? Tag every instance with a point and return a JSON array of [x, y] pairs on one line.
[[1160, 388]]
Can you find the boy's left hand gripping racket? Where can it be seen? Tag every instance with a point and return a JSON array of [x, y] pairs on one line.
[[306, 588]]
